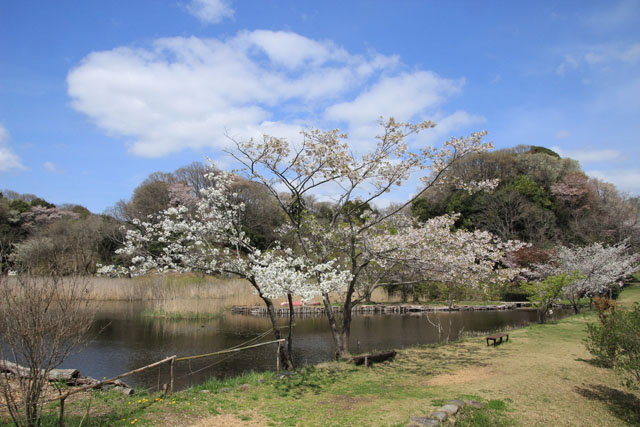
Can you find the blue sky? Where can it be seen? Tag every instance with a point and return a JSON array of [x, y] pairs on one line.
[[95, 95]]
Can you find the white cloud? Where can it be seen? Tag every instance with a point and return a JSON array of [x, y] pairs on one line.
[[210, 11], [586, 155], [406, 97], [401, 96], [8, 159], [562, 134], [189, 92], [447, 126], [568, 62], [293, 50], [627, 180], [51, 167], [613, 53], [600, 56]]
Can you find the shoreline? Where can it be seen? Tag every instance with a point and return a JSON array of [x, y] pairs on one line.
[[541, 376], [256, 310]]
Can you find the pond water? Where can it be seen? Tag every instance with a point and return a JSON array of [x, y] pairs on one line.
[[122, 340]]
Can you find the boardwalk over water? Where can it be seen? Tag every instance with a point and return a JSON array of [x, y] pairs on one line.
[[307, 310]]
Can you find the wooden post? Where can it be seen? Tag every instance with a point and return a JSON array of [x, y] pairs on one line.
[[278, 357], [171, 374], [61, 418]]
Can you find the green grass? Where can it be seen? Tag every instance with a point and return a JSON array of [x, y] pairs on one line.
[[630, 294], [486, 417], [542, 376]]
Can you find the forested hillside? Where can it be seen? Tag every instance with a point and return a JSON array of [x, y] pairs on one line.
[[73, 240], [68, 238], [541, 198]]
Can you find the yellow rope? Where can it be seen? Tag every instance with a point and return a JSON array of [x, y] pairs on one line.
[[233, 350]]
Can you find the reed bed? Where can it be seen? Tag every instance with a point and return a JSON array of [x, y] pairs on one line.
[[167, 287], [184, 287], [183, 295]]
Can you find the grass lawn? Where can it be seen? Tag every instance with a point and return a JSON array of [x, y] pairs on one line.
[[542, 376]]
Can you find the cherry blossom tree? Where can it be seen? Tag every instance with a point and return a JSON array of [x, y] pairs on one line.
[[210, 239], [353, 235], [433, 252], [600, 268]]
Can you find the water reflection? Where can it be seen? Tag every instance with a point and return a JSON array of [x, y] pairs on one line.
[[123, 340]]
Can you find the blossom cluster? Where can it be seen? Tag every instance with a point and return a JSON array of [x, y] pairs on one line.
[[599, 267], [439, 254], [210, 239]]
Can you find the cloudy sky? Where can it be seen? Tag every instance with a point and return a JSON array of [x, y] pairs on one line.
[[95, 95]]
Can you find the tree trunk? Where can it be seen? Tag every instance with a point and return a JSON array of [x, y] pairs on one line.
[[576, 306], [290, 337], [367, 296], [346, 328], [575, 303], [285, 355], [542, 314], [336, 333], [404, 293]]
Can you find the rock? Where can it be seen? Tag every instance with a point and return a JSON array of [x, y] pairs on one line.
[[127, 391], [244, 387], [225, 390], [450, 409], [440, 415], [474, 404], [425, 421], [459, 403], [205, 391]]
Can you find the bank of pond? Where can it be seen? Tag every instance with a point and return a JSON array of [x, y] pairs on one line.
[[124, 337]]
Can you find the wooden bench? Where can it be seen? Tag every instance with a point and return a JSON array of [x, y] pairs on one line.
[[496, 337]]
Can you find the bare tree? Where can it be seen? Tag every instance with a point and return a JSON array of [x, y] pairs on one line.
[[42, 320], [194, 175]]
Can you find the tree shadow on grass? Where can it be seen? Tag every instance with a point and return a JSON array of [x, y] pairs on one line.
[[593, 362], [623, 405]]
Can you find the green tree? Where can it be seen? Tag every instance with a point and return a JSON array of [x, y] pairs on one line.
[[615, 340], [547, 292], [41, 202], [526, 186]]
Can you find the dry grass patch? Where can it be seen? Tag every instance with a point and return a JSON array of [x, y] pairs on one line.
[[539, 378], [462, 376], [345, 402], [244, 418]]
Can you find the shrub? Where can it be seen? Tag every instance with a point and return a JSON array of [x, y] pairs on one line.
[[602, 341], [42, 320], [614, 340]]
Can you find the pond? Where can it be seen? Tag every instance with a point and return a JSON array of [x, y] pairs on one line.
[[122, 340]]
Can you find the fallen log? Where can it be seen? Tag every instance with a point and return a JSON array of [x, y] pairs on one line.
[[53, 375], [70, 377], [369, 359]]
